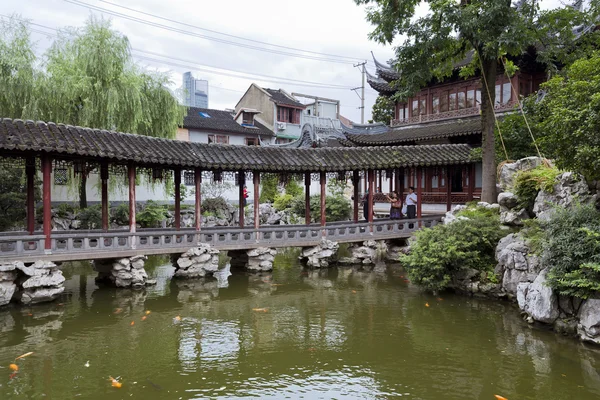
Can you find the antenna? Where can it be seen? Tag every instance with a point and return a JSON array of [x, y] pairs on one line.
[[362, 91]]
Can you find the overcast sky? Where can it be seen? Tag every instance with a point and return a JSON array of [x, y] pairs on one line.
[[334, 27]]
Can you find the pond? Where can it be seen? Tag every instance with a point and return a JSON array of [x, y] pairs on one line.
[[340, 333]]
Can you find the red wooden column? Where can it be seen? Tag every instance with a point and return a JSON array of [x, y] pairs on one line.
[[448, 188], [30, 172], [380, 181], [356, 183], [47, 200], [198, 198], [131, 176], [366, 183], [371, 178], [177, 173], [256, 179], [471, 169], [241, 183], [419, 191], [307, 180], [104, 194], [323, 180]]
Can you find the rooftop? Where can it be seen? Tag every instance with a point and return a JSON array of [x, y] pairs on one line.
[[280, 97], [221, 121]]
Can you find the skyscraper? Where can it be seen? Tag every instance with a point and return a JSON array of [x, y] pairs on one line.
[[195, 91]]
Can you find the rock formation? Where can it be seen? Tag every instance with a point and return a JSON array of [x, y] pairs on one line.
[[197, 262], [365, 253], [258, 260], [320, 256], [123, 272]]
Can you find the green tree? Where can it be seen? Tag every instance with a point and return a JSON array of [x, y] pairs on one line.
[[383, 109], [451, 30], [87, 78]]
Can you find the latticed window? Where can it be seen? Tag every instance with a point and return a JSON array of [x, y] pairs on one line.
[[188, 178], [61, 176]]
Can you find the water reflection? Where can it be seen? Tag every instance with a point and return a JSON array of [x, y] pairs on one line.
[[333, 333]]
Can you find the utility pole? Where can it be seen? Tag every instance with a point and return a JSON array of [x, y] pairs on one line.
[[362, 91]]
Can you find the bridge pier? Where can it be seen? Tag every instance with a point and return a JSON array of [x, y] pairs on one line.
[[365, 253], [39, 282], [123, 272], [320, 256], [196, 262], [257, 260]]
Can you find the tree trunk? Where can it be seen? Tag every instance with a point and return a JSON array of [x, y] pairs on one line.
[[488, 189], [82, 191]]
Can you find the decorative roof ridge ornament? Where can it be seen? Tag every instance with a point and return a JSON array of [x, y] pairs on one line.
[[310, 137]]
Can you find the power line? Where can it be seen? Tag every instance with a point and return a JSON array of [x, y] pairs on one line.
[[202, 67], [229, 35], [198, 35]]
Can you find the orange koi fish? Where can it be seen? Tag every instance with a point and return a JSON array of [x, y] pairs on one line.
[[147, 312], [426, 304], [132, 323], [498, 397], [260, 309], [144, 318], [24, 355], [115, 383], [13, 367]]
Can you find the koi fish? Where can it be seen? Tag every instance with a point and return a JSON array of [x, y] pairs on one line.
[[144, 318], [147, 312], [177, 319], [154, 385], [117, 311], [260, 309], [13, 367], [439, 299], [354, 291], [426, 304], [132, 323], [498, 397], [24, 355], [115, 383], [11, 376]]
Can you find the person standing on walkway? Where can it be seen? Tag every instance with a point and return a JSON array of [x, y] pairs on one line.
[[366, 205], [411, 203], [395, 206]]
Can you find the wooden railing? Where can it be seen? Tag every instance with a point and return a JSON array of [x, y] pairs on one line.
[[89, 245]]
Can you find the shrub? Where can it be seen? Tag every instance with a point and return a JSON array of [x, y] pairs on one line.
[[282, 201], [216, 206], [337, 208], [293, 188], [571, 251], [64, 209], [438, 253], [529, 183], [91, 217], [121, 214], [13, 197], [151, 215], [268, 188]]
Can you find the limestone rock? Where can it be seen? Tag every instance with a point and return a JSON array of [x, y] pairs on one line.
[[7, 290], [507, 201], [54, 279], [197, 262], [513, 218], [509, 171], [41, 295], [124, 272], [588, 328], [570, 189], [365, 253], [10, 266], [540, 302], [320, 256], [515, 263]]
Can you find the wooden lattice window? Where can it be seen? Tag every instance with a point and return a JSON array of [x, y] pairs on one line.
[[188, 178], [61, 176]]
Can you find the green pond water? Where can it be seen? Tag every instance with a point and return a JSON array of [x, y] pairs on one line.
[[333, 334]]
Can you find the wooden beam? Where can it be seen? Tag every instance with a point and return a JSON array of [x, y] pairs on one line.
[[198, 198], [177, 173], [30, 172], [104, 194], [241, 183], [131, 176], [256, 179], [356, 183], [307, 180], [448, 188], [323, 181], [47, 200], [419, 191], [371, 178]]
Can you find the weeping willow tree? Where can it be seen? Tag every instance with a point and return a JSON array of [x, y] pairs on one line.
[[88, 78]]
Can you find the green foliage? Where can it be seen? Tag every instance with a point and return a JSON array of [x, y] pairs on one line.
[[534, 235], [383, 109], [337, 208], [293, 188], [13, 197], [183, 192], [91, 217], [215, 206], [151, 215], [269, 188], [282, 201], [64, 209], [475, 212], [571, 251], [438, 253], [121, 214], [515, 133], [529, 182], [336, 187]]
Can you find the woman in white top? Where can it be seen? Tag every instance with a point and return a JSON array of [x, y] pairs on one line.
[[411, 203]]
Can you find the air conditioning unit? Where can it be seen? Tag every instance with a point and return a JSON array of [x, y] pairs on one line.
[[281, 126]]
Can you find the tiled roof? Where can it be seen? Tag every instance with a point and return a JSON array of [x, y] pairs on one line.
[[281, 98], [221, 121], [445, 129], [366, 129], [19, 138]]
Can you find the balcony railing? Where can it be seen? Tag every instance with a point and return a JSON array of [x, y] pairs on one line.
[[464, 112]]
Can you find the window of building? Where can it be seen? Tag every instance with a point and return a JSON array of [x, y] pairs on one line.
[[402, 111], [204, 115], [423, 106], [61, 176], [444, 101], [498, 94], [247, 118], [435, 105], [289, 115], [251, 142], [415, 108], [470, 98], [506, 93], [188, 178], [478, 97], [462, 102], [221, 139], [452, 101]]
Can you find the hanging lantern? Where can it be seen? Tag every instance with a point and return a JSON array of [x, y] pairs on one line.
[[79, 167], [217, 176], [341, 176], [240, 178], [389, 174], [157, 174]]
